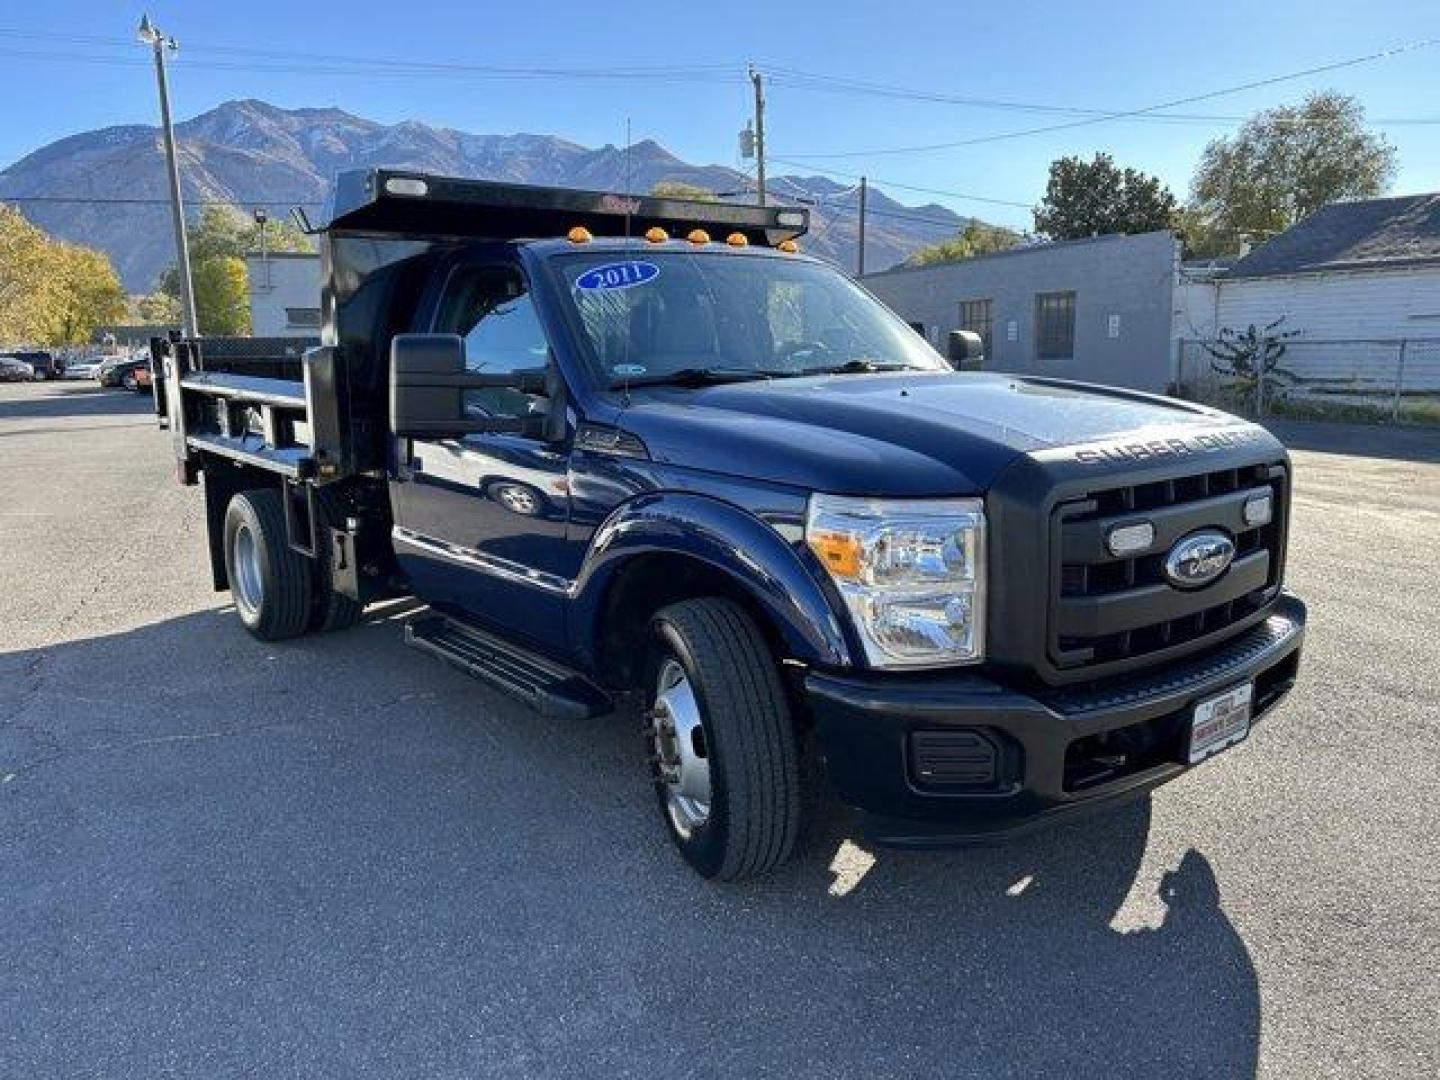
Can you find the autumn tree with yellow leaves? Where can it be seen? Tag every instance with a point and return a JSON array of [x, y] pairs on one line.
[[52, 293]]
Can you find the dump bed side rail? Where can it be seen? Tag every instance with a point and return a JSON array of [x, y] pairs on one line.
[[258, 420]]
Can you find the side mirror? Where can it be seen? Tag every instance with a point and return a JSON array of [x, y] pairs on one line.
[[965, 349], [428, 381]]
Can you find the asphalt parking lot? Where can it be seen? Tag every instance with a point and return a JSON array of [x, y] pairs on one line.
[[338, 857]]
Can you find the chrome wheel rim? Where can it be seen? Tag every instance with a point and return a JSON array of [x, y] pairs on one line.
[[245, 569], [681, 751]]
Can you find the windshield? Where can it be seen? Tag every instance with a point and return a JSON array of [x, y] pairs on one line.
[[672, 315]]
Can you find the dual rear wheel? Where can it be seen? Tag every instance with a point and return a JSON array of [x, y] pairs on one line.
[[278, 592]]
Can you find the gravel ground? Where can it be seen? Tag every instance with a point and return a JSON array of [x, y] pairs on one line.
[[338, 857]]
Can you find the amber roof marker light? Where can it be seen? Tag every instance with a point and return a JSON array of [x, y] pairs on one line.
[[656, 235], [698, 236], [790, 247], [579, 235]]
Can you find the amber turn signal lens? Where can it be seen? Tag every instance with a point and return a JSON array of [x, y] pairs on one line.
[[579, 235], [656, 235], [839, 553]]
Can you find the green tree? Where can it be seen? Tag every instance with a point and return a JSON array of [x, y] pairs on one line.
[[155, 309], [1096, 198], [226, 230], [977, 238], [674, 189], [223, 236], [1200, 236], [1285, 163], [222, 295]]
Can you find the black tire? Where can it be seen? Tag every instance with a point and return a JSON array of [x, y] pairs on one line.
[[279, 606], [749, 737], [330, 610]]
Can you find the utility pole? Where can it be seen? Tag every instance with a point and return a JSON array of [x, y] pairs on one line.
[[860, 255], [755, 78], [157, 40]]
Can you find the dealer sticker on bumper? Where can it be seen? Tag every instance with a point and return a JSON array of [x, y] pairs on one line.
[[1220, 721]]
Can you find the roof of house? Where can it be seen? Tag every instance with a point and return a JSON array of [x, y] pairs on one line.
[[1370, 234]]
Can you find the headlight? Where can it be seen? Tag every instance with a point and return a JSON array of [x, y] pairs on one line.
[[911, 573]]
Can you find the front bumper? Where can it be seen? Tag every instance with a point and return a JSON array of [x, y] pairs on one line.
[[1027, 758]]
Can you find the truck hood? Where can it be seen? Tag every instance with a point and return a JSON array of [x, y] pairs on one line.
[[897, 434]]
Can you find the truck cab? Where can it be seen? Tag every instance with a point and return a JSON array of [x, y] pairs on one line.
[[642, 453]]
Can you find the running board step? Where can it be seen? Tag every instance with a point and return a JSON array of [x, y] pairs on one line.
[[547, 687]]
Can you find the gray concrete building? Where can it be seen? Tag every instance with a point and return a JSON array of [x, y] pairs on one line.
[[1099, 309]]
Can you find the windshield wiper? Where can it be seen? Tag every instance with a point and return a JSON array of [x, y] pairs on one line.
[[692, 376], [855, 367]]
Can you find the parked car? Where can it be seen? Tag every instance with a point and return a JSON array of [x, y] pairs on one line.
[[140, 381], [121, 372], [13, 370], [44, 364], [83, 369]]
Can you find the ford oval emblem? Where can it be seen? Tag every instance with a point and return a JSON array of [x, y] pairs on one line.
[[1198, 559]]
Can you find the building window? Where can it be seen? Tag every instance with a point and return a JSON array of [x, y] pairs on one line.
[[302, 318], [978, 316], [1055, 325]]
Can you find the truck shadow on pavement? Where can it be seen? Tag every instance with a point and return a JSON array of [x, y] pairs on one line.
[[339, 857]]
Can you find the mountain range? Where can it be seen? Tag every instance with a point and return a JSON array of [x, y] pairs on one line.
[[107, 188]]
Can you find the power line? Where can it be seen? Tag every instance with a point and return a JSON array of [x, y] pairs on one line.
[[1143, 111], [277, 60], [954, 226], [105, 200], [964, 196], [839, 84]]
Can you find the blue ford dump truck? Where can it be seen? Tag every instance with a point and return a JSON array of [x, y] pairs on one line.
[[641, 450]]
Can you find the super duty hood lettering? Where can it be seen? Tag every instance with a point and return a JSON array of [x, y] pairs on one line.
[[1133, 451]]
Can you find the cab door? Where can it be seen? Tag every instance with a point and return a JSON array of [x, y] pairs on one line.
[[481, 520]]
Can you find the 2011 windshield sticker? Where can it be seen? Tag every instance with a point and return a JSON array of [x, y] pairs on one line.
[[618, 275]]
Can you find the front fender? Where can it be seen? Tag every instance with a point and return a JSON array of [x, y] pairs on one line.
[[724, 537]]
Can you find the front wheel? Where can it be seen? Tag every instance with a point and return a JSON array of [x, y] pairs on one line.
[[723, 747]]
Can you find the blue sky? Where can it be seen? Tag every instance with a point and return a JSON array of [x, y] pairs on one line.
[[74, 65]]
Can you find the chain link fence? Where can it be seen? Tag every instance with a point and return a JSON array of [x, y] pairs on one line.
[[1374, 381]]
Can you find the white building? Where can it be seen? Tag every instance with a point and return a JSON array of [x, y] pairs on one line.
[[1357, 284], [284, 294]]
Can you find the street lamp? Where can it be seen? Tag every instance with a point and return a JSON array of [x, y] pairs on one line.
[[261, 218], [151, 35]]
